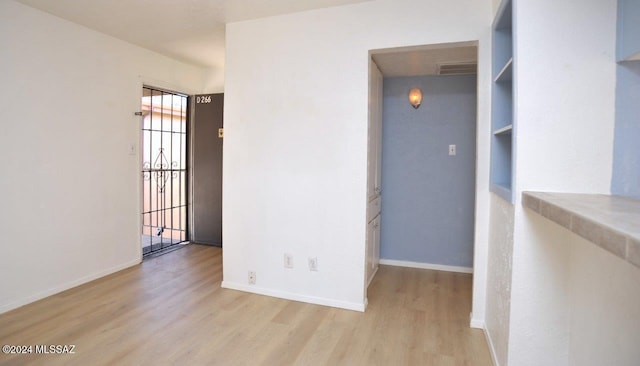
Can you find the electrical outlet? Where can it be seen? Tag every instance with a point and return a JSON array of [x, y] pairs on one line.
[[252, 278], [288, 261], [313, 263]]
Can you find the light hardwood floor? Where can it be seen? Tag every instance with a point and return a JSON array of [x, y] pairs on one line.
[[171, 310]]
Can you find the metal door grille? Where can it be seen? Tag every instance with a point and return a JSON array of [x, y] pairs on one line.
[[164, 169]]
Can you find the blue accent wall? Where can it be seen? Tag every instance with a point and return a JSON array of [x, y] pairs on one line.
[[628, 42], [428, 196], [625, 179]]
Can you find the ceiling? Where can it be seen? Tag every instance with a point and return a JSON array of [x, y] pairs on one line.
[[424, 60], [188, 30]]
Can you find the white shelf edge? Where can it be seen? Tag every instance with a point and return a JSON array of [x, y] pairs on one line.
[[599, 215], [503, 130], [501, 15], [635, 57], [504, 70]]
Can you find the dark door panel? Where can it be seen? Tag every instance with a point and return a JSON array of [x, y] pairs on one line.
[[207, 169]]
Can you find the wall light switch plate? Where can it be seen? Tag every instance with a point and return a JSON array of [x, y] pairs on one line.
[[452, 150], [288, 261], [313, 264]]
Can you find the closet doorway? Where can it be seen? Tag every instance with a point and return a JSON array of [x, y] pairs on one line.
[[428, 160]]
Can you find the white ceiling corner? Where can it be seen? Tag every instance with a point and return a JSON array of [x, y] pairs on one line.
[[423, 60], [192, 31]]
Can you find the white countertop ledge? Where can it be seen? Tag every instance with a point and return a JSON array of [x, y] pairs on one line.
[[611, 222]]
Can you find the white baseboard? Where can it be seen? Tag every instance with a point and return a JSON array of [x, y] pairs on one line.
[[476, 323], [66, 286], [492, 349], [295, 297], [372, 276], [436, 267]]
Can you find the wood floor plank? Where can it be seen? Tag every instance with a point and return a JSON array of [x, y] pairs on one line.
[[171, 310]]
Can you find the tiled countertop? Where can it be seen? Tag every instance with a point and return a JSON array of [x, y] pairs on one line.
[[611, 222]]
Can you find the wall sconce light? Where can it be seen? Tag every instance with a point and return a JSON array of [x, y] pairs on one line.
[[415, 97]]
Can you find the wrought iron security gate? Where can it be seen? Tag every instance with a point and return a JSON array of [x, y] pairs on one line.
[[164, 169]]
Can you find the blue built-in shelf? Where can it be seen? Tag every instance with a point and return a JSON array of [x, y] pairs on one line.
[[625, 179], [502, 116], [628, 43], [504, 130], [506, 74], [502, 190]]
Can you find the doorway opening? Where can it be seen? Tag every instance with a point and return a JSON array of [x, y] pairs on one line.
[[164, 169], [422, 157]]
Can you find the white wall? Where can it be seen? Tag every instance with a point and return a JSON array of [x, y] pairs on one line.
[[497, 303], [565, 91], [499, 278], [565, 94], [604, 307], [585, 301], [70, 202], [296, 90], [214, 81], [539, 315], [495, 4], [482, 210]]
